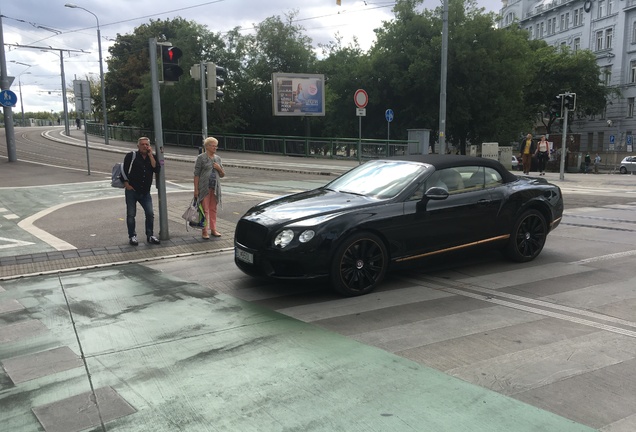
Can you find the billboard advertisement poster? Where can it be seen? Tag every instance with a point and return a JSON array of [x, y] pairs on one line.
[[298, 94]]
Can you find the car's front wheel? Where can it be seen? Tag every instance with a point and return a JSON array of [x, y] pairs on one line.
[[623, 170], [359, 264], [528, 237]]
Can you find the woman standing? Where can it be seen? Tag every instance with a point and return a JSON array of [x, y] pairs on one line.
[[543, 153], [208, 169]]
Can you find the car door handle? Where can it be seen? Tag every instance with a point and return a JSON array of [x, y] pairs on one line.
[[483, 202]]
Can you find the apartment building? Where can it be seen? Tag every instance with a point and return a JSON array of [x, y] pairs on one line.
[[608, 29]]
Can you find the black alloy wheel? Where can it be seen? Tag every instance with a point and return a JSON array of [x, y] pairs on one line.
[[359, 265], [528, 237], [623, 170]]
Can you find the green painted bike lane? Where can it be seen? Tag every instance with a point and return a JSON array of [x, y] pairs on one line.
[[185, 358]]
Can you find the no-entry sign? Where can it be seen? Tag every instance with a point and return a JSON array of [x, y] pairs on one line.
[[361, 98]]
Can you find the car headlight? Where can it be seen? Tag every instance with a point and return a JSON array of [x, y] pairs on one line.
[[305, 236], [284, 238]]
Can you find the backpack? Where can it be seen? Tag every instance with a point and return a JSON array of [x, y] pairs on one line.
[[118, 176]]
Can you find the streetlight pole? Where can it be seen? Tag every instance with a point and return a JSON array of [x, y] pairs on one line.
[[21, 102], [101, 68], [20, 85]]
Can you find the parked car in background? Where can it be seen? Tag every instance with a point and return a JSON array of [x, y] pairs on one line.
[[515, 163], [628, 164], [392, 212]]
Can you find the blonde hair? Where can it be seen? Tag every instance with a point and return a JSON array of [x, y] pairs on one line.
[[210, 140], [140, 139]]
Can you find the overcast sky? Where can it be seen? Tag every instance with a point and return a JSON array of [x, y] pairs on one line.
[[47, 23]]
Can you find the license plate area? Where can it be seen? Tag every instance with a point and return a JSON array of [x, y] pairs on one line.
[[244, 256]]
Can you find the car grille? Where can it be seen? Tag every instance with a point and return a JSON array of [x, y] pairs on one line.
[[250, 234]]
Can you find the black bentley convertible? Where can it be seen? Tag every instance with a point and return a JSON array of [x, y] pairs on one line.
[[392, 211]]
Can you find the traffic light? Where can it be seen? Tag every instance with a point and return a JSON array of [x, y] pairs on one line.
[[556, 106], [570, 101], [171, 71], [215, 80]]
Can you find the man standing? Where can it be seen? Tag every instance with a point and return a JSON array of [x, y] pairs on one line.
[[527, 149], [144, 165], [588, 161], [597, 162]]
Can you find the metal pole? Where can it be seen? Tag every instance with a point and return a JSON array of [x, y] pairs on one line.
[[204, 106], [21, 102], [64, 103], [101, 78], [359, 139], [8, 114], [156, 115], [563, 146], [88, 160], [442, 90]]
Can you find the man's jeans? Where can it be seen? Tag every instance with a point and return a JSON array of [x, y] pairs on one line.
[[132, 198]]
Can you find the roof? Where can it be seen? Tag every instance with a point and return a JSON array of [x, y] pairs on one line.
[[447, 161]]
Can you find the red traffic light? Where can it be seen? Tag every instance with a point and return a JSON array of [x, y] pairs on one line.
[[171, 54]]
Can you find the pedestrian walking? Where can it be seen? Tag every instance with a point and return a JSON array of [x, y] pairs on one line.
[[542, 153], [526, 149], [144, 166], [78, 122], [597, 162], [208, 170], [588, 161]]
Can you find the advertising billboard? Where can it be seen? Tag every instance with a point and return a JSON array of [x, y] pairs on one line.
[[298, 94]]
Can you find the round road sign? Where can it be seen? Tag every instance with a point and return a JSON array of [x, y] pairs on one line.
[[388, 114], [8, 98], [361, 98]]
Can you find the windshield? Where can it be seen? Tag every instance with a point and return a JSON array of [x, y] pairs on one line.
[[378, 179]]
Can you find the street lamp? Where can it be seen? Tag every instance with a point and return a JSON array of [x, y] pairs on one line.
[[20, 85], [101, 68]]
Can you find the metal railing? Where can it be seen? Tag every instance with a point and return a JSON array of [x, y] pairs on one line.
[[345, 148]]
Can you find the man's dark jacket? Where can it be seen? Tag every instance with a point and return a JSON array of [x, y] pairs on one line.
[[140, 177]]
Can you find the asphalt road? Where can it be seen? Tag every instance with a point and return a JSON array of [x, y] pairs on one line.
[[558, 333]]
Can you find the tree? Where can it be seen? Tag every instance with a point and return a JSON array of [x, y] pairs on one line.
[[557, 70]]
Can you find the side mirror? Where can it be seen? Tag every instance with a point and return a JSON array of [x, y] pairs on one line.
[[436, 193]]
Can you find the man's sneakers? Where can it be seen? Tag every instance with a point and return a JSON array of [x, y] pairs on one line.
[[151, 239]]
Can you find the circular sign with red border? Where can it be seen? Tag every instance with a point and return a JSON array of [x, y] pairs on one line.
[[361, 98]]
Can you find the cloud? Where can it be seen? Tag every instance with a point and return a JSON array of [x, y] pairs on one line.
[[50, 24]]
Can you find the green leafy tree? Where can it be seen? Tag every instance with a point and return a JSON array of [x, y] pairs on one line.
[[556, 71]]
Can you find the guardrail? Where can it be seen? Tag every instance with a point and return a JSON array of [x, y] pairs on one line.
[[345, 148]]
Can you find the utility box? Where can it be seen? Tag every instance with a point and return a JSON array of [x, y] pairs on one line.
[[474, 150], [422, 138], [490, 151], [505, 157]]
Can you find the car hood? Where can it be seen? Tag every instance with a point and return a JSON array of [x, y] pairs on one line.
[[304, 205]]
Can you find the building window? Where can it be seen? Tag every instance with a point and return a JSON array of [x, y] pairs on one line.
[[599, 40], [601, 137], [607, 75], [601, 8], [550, 30], [608, 38], [630, 107], [577, 44], [554, 25], [610, 7], [632, 71], [541, 30], [567, 21], [530, 32], [590, 141], [578, 17]]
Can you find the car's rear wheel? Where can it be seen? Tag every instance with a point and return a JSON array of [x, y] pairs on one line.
[[359, 264], [623, 170], [528, 237]]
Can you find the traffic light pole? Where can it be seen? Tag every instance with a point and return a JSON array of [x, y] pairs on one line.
[[156, 115], [563, 142], [204, 105]]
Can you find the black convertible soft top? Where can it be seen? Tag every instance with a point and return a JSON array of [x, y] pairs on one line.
[[447, 161]]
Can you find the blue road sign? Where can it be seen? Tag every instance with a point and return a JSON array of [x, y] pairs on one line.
[[389, 115], [629, 139], [8, 98], [612, 139]]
